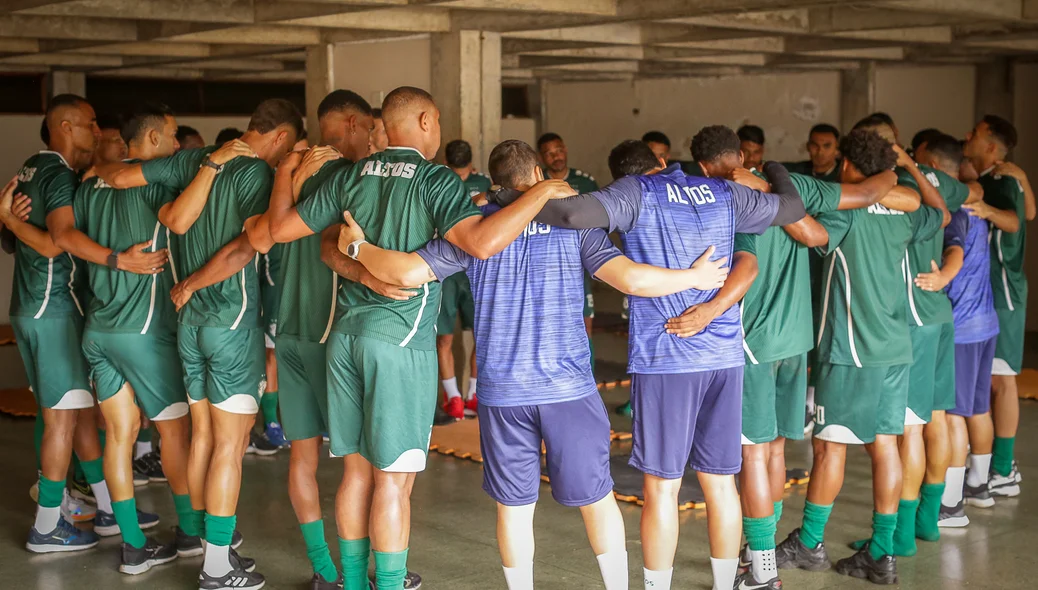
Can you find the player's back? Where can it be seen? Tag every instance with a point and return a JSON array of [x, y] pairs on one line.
[[680, 217], [970, 292]]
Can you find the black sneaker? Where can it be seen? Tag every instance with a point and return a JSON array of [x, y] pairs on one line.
[[953, 518], [746, 581], [259, 445], [412, 581], [190, 546], [139, 477], [236, 579], [792, 553], [80, 489], [241, 562], [978, 496], [861, 565], [151, 466], [137, 561], [319, 583]]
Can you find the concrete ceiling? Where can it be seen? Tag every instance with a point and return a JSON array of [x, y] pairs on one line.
[[549, 39]]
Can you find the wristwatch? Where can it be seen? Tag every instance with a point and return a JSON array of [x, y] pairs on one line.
[[213, 165], [113, 261], [353, 250]]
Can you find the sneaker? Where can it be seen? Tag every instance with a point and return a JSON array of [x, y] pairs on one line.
[[64, 537], [624, 409], [978, 496], [150, 464], [276, 435], [1007, 486], [412, 581], [137, 561], [191, 546], [746, 581], [792, 553], [76, 510], [861, 565], [455, 408], [80, 490], [139, 477], [105, 525], [745, 559], [236, 579], [471, 407], [259, 445], [952, 517], [240, 561], [319, 583]]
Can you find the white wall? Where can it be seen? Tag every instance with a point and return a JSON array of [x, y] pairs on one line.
[[373, 69], [920, 97], [1026, 155], [522, 129]]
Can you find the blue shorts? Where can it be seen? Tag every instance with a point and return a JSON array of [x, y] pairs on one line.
[[576, 440], [692, 419], [973, 378]]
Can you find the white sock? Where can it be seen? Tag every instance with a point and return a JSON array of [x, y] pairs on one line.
[[658, 580], [104, 500], [217, 560], [980, 466], [519, 577], [143, 448], [47, 518], [613, 566], [724, 572], [811, 400], [763, 564], [451, 387], [953, 486], [472, 388]]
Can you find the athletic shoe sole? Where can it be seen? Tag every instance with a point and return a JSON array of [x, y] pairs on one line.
[[190, 552], [158, 479], [1009, 491], [252, 587], [135, 570], [58, 548], [981, 502], [261, 453], [955, 522], [107, 531], [81, 496]]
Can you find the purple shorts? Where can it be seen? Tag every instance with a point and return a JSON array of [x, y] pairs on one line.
[[576, 440], [973, 378], [692, 419]]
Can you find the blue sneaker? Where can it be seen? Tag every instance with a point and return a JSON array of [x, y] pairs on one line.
[[64, 537], [105, 525], [276, 435]]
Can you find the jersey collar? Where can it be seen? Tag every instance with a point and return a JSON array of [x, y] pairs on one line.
[[988, 171], [404, 147], [62, 158]]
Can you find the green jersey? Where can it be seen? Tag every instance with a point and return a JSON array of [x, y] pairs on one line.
[[476, 183], [580, 181], [43, 287], [240, 191], [1008, 281], [776, 312], [807, 169], [124, 301], [929, 307], [308, 286], [402, 201]]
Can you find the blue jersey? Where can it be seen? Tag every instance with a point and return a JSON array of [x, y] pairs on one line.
[[668, 220], [531, 343], [973, 302]]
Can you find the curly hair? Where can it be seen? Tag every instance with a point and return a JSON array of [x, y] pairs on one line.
[[714, 141], [870, 153]]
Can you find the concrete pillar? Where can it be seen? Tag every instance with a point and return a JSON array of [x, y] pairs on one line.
[[64, 82], [466, 83], [320, 80], [857, 94], [994, 91]]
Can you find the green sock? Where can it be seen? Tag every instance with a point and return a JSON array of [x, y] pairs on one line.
[[144, 435], [187, 517], [390, 570], [815, 518], [51, 493], [760, 532], [93, 470], [929, 511], [1002, 455], [125, 512], [77, 469], [37, 437], [904, 532], [778, 512], [317, 550], [354, 555], [883, 526], [269, 406], [219, 530]]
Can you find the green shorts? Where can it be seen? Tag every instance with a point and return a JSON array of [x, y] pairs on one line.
[[853, 405], [51, 349], [773, 397], [455, 300], [589, 298], [931, 378], [381, 401], [303, 384], [149, 362], [1009, 348], [227, 367]]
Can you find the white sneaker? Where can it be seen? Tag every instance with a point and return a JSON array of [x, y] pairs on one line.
[[76, 510]]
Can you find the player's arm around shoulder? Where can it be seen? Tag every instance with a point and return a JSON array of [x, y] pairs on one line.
[[406, 269]]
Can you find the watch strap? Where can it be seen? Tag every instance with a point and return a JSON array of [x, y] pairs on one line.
[[113, 261]]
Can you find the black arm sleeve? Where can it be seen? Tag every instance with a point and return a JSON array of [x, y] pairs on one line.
[[7, 240], [579, 212], [791, 206]]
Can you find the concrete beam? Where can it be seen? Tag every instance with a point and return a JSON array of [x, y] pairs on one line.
[[280, 10], [665, 9], [778, 21], [747, 44], [494, 20], [152, 48], [876, 53], [515, 45], [986, 9], [1021, 45], [739, 59], [589, 7], [69, 60], [320, 80], [662, 69], [221, 11], [19, 46], [17, 5], [601, 66], [600, 52], [857, 94], [249, 35], [860, 18], [612, 34], [63, 27], [903, 35], [414, 19]]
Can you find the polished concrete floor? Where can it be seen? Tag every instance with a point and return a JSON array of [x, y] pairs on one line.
[[453, 540]]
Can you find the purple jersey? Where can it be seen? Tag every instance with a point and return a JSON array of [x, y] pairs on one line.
[[668, 220], [973, 305], [531, 343]]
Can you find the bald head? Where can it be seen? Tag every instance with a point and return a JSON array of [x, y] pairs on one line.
[[72, 128], [412, 120]]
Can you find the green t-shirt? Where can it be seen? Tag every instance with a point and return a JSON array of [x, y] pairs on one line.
[[1008, 281], [240, 191], [476, 183], [402, 201], [307, 285], [807, 169], [43, 287], [580, 181], [776, 312], [124, 301], [929, 307]]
